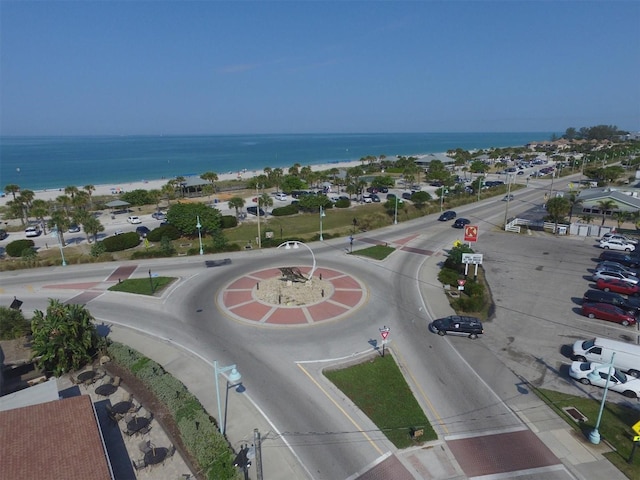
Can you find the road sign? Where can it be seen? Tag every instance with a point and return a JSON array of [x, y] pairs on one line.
[[470, 233], [636, 438], [473, 258], [384, 332], [461, 282], [636, 428]]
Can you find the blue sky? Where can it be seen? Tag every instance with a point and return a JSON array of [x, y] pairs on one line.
[[214, 67]]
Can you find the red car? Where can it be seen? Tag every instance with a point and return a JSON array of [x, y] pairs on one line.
[[617, 286], [604, 311]]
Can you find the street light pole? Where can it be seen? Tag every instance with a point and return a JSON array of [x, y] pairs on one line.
[[395, 215], [321, 215], [295, 245], [258, 215], [506, 207], [198, 226], [64, 263], [594, 436], [234, 377]]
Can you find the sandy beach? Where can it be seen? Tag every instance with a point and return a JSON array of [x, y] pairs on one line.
[[113, 189]]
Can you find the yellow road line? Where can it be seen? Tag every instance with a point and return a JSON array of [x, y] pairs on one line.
[[358, 427]]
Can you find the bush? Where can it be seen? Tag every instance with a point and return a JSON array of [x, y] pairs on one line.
[[97, 249], [169, 231], [117, 243], [228, 221], [343, 203], [153, 253], [138, 197], [12, 324], [17, 247], [447, 276], [286, 210]]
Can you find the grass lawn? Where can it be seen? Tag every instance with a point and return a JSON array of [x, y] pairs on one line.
[[377, 252], [142, 286], [615, 426], [378, 388]]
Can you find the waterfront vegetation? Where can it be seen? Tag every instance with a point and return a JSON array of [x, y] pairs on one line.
[[378, 388]]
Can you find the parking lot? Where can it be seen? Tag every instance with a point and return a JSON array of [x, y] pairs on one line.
[[537, 282]]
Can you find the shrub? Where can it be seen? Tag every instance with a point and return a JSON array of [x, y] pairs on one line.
[[228, 221], [17, 247], [97, 249], [12, 324], [153, 253], [286, 210], [169, 231], [117, 243], [447, 276], [343, 203]]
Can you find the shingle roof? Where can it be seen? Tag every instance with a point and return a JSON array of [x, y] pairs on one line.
[[53, 440]]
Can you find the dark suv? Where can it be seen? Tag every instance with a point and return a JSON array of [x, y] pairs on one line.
[[470, 326], [598, 296], [632, 261], [448, 215]]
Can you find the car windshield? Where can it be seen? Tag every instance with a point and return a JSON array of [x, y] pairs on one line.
[[587, 344], [620, 376]]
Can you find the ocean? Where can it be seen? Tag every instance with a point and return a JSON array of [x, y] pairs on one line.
[[38, 163]]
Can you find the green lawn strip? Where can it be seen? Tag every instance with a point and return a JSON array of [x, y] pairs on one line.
[[615, 426], [377, 252], [142, 286], [378, 388]]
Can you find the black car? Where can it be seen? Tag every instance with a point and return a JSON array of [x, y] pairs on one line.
[[470, 326], [383, 190], [461, 222], [620, 257], [3, 234], [254, 211], [74, 228], [598, 296], [375, 198], [142, 231], [406, 195], [446, 216]]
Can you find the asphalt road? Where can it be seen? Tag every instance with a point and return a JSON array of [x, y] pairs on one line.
[[535, 281]]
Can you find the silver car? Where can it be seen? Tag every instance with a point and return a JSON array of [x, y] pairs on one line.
[[610, 274], [616, 267]]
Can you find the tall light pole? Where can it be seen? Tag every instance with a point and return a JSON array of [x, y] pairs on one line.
[[395, 214], [506, 207], [295, 245], [321, 215], [594, 436], [442, 194], [258, 215], [198, 226], [64, 263], [234, 377]]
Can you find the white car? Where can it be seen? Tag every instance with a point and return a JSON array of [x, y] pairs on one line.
[[282, 197], [591, 373], [134, 219], [33, 231], [616, 275], [617, 236], [614, 244]]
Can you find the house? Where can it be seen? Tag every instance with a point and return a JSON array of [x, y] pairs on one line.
[[626, 200]]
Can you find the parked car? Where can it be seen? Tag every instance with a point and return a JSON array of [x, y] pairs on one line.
[[281, 196], [605, 311], [615, 266], [134, 219], [626, 259], [383, 189], [74, 228], [375, 198], [614, 244], [372, 190], [3, 234], [158, 215], [32, 231], [367, 199], [391, 196], [446, 216], [254, 211], [631, 305], [470, 326], [406, 195], [591, 373], [618, 286], [617, 236], [608, 274], [142, 231], [461, 222], [118, 232]]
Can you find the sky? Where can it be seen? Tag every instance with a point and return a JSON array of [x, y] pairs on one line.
[[222, 67]]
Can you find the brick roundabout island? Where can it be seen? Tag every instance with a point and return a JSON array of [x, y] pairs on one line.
[[271, 297]]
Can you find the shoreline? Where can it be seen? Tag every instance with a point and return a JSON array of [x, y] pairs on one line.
[[114, 189]]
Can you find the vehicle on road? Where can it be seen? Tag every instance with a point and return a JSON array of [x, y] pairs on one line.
[[627, 355], [158, 215], [461, 222], [605, 311], [507, 197], [118, 232], [32, 231], [631, 305], [620, 245], [143, 231], [592, 373], [448, 215], [133, 219], [254, 211], [617, 236], [618, 286], [608, 274], [469, 326]]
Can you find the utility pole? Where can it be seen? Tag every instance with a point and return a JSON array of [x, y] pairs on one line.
[[257, 442], [258, 212]]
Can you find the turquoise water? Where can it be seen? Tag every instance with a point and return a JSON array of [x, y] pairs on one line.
[[38, 163]]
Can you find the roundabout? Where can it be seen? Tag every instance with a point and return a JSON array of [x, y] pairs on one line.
[[269, 297]]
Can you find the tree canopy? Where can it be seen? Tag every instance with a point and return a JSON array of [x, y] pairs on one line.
[[184, 216]]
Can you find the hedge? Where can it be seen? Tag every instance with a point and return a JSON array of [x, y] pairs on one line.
[[121, 242], [228, 221], [169, 231], [198, 430], [286, 210], [15, 248]]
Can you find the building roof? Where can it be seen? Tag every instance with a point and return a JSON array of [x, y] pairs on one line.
[[53, 440], [591, 196], [43, 392]]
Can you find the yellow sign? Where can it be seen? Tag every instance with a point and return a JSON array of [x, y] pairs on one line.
[[458, 243], [636, 428], [636, 438]]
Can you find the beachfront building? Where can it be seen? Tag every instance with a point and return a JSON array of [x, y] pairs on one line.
[[626, 199]]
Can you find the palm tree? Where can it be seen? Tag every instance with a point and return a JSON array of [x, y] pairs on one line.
[[266, 200], [237, 203], [277, 174], [60, 220], [573, 202], [92, 226], [90, 189], [39, 210], [71, 191], [621, 217], [604, 206], [12, 189], [210, 177], [169, 191]]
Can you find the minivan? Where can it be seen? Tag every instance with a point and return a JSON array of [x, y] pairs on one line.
[[627, 355], [598, 296]]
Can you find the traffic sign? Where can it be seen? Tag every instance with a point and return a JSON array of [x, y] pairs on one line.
[[461, 282], [384, 332], [636, 427], [470, 233]]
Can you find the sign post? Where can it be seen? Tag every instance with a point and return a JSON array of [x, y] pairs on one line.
[[473, 258], [384, 333]]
